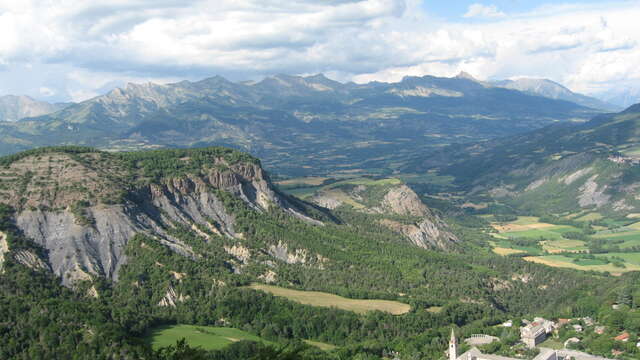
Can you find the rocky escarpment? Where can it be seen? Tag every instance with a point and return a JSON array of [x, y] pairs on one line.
[[84, 206], [429, 231], [421, 226]]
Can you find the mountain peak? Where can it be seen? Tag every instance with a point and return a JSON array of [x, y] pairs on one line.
[[465, 75]]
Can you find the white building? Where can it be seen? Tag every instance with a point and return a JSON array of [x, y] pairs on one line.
[[545, 354]]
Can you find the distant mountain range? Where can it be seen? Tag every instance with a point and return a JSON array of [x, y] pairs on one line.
[[553, 90], [624, 96], [297, 123], [14, 108], [561, 168]]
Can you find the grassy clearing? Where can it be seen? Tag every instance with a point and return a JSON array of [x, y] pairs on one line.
[[627, 236], [507, 251], [310, 181], [343, 197], [316, 298], [632, 259], [563, 245], [321, 345], [590, 217], [567, 262], [207, 337], [435, 309]]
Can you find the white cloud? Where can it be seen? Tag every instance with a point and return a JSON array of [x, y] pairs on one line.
[[78, 49], [483, 11]]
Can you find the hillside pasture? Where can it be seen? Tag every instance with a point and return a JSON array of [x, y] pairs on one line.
[[562, 261], [322, 299], [206, 337], [564, 245]]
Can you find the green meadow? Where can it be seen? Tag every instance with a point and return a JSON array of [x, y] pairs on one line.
[[206, 337]]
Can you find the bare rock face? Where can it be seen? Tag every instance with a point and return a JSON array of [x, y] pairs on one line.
[[281, 252], [430, 231], [24, 257], [30, 260], [4, 249], [593, 194], [402, 200], [75, 251], [172, 298], [87, 238], [425, 234]]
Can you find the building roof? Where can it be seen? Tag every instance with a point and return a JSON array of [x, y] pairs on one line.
[[579, 355], [622, 337]]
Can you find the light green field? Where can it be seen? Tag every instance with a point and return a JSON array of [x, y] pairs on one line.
[[310, 181], [321, 345], [630, 238], [207, 337], [366, 181], [567, 262], [527, 220], [629, 258], [342, 196], [590, 217], [316, 298], [557, 246], [547, 233]]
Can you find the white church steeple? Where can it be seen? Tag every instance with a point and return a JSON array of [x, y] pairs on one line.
[[453, 346]]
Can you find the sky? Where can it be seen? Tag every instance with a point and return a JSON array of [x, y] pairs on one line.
[[72, 50]]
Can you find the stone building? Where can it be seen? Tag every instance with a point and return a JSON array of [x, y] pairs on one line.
[[545, 354]]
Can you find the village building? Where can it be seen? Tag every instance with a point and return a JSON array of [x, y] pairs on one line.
[[624, 337], [545, 354], [536, 331]]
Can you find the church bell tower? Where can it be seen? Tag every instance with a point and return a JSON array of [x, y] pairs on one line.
[[453, 347]]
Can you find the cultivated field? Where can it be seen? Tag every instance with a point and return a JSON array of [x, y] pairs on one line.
[[595, 265], [321, 345], [564, 245], [507, 251], [322, 299], [309, 181], [207, 337], [530, 227]]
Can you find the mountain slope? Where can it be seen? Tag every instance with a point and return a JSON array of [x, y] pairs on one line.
[[178, 236], [394, 205], [559, 168], [296, 122], [14, 108], [83, 206], [553, 90]]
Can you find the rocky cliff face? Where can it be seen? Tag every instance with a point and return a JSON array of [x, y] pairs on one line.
[[84, 207], [421, 226]]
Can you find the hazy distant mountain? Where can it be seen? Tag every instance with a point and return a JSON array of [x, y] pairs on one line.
[[553, 90], [622, 96], [292, 122], [14, 108]]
